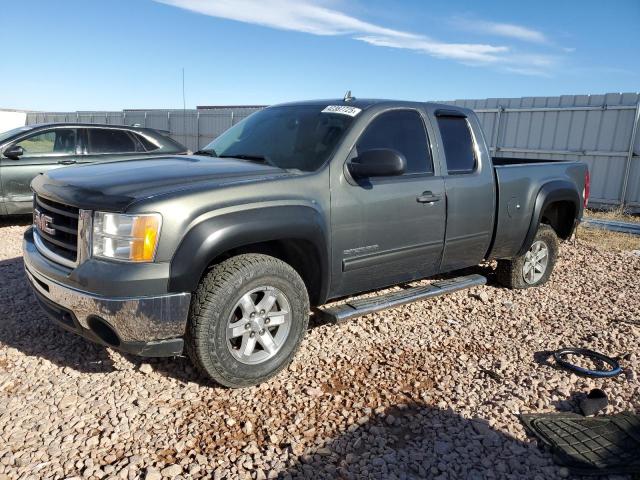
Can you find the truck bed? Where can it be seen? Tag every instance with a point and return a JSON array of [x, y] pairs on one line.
[[518, 182]]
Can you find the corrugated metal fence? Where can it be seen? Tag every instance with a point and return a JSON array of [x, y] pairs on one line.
[[601, 130]]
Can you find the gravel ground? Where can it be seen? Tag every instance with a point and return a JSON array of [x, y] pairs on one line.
[[430, 390]]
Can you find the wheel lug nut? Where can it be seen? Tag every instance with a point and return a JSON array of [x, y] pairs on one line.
[[262, 332], [247, 326], [252, 314], [267, 320], [261, 312], [252, 334]]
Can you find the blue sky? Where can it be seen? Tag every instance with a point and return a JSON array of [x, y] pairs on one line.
[[84, 55]]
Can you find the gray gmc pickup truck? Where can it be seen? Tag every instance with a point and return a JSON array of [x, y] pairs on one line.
[[221, 255]]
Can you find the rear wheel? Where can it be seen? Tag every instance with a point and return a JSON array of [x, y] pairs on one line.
[[534, 267], [247, 320]]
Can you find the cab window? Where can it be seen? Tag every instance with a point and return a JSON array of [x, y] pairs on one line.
[[458, 145], [403, 131]]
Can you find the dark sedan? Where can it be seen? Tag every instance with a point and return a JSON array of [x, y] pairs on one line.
[[27, 151]]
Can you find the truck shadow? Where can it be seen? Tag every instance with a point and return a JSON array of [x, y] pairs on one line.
[[16, 220], [25, 327], [417, 441]]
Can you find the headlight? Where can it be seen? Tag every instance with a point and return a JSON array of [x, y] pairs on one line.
[[132, 238]]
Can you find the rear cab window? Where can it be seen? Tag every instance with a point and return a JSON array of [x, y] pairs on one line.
[[458, 144], [403, 131]]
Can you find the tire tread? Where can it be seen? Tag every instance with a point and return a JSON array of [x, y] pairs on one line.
[[220, 280]]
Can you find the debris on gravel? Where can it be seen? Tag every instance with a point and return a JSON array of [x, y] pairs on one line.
[[429, 390]]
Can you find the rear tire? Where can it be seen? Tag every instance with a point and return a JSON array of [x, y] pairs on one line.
[[534, 267], [247, 320]]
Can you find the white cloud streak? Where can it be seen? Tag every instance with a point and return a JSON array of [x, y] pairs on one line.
[[309, 16], [508, 30]]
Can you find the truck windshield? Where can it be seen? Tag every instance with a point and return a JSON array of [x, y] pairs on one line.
[[300, 137]]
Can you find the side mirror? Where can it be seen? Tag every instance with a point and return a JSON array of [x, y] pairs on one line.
[[377, 162], [14, 152]]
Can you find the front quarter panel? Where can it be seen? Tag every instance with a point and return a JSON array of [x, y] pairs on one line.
[[216, 235]]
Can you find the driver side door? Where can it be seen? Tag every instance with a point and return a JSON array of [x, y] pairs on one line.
[[43, 150], [388, 230]]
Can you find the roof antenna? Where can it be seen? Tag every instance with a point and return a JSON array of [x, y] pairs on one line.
[[348, 97]]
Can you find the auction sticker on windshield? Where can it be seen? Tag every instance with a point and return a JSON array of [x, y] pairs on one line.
[[342, 109]]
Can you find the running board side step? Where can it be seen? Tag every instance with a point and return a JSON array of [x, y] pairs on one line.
[[364, 306]]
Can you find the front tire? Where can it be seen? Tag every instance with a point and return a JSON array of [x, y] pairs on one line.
[[534, 267], [247, 320]]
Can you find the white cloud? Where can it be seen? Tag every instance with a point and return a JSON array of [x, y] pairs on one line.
[[509, 30], [309, 16]]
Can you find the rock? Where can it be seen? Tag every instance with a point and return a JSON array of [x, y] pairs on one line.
[[247, 428], [252, 449], [152, 474], [442, 448], [146, 368], [313, 392], [67, 401], [171, 471]]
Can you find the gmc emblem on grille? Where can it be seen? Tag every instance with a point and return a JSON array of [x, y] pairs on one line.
[[43, 222]]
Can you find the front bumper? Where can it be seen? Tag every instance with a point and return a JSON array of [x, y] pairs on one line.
[[145, 325]]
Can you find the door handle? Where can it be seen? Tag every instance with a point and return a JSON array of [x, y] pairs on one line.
[[428, 197], [67, 162]]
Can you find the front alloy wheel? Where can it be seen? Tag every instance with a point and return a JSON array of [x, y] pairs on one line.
[[259, 325], [248, 317]]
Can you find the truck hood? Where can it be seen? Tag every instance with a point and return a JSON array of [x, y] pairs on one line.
[[114, 185]]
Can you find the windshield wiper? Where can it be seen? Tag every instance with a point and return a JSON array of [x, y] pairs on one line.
[[252, 158], [208, 153]]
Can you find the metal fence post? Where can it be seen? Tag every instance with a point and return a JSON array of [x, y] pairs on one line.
[[145, 120], [496, 134], [169, 122], [198, 131], [632, 143], [232, 118]]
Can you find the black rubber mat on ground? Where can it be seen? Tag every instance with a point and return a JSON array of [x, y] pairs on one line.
[[601, 445]]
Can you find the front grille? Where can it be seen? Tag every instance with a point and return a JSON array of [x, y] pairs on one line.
[[63, 241]]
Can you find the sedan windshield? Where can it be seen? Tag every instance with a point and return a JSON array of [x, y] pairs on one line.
[[300, 137]]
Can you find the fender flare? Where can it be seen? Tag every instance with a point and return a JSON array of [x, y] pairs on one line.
[[214, 236], [551, 192]]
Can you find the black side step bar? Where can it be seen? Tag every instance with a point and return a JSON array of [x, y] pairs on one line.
[[364, 306]]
